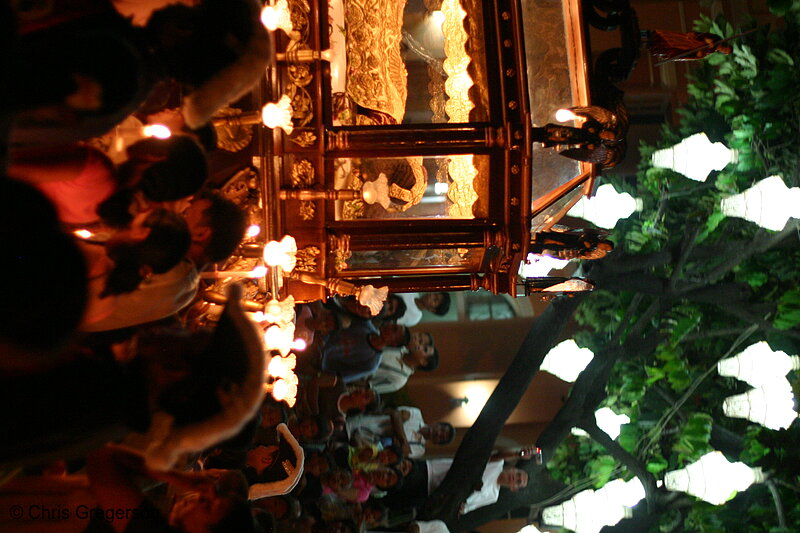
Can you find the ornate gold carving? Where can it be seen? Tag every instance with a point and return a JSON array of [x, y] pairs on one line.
[[307, 259], [514, 201], [307, 210], [302, 174], [304, 139], [232, 136]]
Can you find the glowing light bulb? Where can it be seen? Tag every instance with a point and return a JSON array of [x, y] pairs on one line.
[[258, 272], [565, 115], [253, 231], [159, 131], [83, 233], [278, 114]]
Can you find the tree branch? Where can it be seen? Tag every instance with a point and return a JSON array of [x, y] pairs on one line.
[[631, 463]]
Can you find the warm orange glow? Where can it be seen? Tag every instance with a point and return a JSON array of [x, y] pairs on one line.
[[83, 233], [159, 131]]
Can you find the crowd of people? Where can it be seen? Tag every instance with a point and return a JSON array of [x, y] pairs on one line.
[[130, 412]]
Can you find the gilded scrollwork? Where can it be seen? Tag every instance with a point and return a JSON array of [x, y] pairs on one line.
[[307, 258], [307, 210], [304, 139], [302, 175]]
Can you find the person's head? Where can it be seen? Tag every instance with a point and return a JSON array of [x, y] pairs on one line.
[[206, 512], [359, 399], [272, 414], [422, 354], [262, 457], [437, 303], [153, 243], [390, 456], [165, 170], [311, 428], [373, 513], [395, 335], [281, 507], [336, 480], [513, 479], [216, 226], [317, 463], [384, 477], [393, 308], [441, 433], [193, 44]]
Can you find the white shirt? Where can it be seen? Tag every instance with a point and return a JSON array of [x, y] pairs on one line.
[[490, 490], [381, 426], [159, 297], [392, 373], [413, 314]]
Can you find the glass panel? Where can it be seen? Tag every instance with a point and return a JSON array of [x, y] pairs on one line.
[[446, 186], [457, 259], [549, 215], [483, 305], [380, 48], [551, 86]]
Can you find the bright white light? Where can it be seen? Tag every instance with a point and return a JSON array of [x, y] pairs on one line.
[[530, 528], [566, 360], [282, 367], [277, 16], [258, 272], [280, 338], [253, 231], [695, 157], [437, 17], [537, 266], [373, 297], [159, 131], [605, 207], [477, 395], [610, 422], [280, 312], [769, 203], [278, 114], [565, 115], [758, 364], [625, 493], [771, 405], [83, 233], [713, 478], [281, 253], [299, 345], [440, 187]]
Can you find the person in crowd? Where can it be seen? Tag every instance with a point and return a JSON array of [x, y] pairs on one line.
[[437, 303], [355, 352], [216, 227], [406, 425], [399, 364]]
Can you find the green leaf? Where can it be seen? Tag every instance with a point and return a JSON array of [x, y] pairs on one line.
[[657, 464]]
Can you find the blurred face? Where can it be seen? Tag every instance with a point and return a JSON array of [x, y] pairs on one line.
[[195, 214], [392, 334], [384, 478], [362, 397], [316, 465], [430, 301], [513, 479], [197, 512], [262, 457], [421, 343], [440, 433], [387, 457]]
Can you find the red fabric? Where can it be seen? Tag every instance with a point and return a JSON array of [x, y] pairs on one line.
[[667, 45]]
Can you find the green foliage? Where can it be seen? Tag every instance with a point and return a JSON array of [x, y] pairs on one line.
[[693, 439], [788, 316]]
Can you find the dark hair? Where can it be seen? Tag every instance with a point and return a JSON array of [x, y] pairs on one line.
[[228, 224], [195, 43], [238, 519], [444, 306], [406, 335], [165, 245], [401, 308], [432, 363], [206, 135], [180, 174]]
